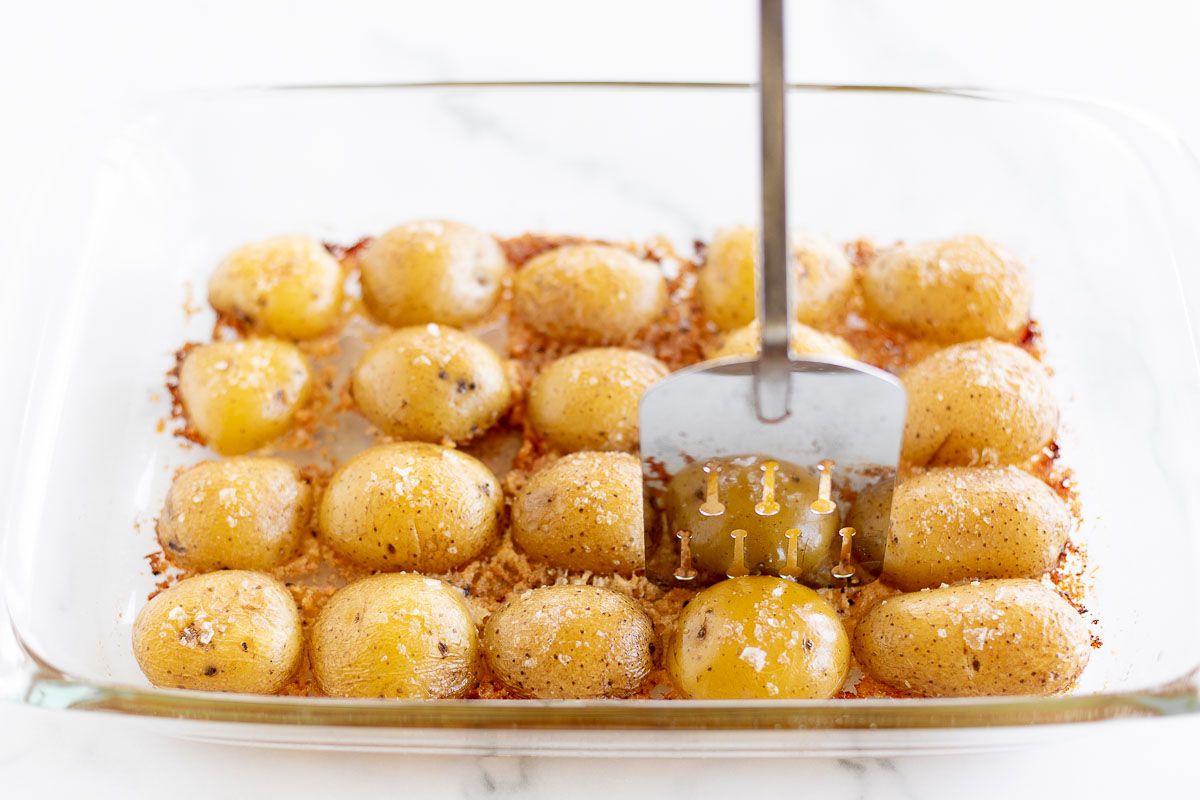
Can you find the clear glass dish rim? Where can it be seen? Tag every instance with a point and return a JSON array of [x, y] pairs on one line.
[[41, 684]]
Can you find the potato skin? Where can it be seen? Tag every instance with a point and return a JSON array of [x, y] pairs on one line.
[[411, 506], [996, 637], [288, 286], [758, 637], [228, 631], [240, 395], [238, 513], [395, 635], [589, 400], [805, 341], [953, 290], [978, 403], [869, 516], [570, 642], [429, 383], [432, 271], [956, 523]]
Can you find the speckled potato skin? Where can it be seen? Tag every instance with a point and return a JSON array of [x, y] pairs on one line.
[[411, 506], [953, 290], [805, 341], [289, 286], [570, 642], [589, 294], [978, 403], [589, 400], [228, 631], [396, 635], [758, 637], [429, 383], [432, 271], [584, 512], [869, 516], [239, 513], [997, 637], [957, 523], [241, 395]]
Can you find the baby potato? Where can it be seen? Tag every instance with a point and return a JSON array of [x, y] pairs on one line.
[[961, 522], [570, 642], [584, 512], [869, 516], [289, 286], [978, 403], [240, 513], [589, 400], [953, 290], [758, 637], [805, 341], [240, 395], [395, 635], [998, 637], [429, 383], [228, 631], [432, 271], [824, 278], [589, 294], [411, 506]]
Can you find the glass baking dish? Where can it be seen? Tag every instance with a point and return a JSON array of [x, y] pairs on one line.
[[1101, 205]]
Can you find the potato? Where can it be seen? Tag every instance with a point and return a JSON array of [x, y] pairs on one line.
[[758, 637], [432, 271], [959, 522], [869, 516], [411, 506], [240, 395], [979, 403], [589, 400], [584, 512], [289, 286], [430, 383], [240, 513], [805, 341], [998, 637], [229, 631], [953, 290], [396, 635], [570, 642]]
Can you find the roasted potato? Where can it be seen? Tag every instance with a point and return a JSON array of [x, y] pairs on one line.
[[805, 341], [869, 515], [997, 637]]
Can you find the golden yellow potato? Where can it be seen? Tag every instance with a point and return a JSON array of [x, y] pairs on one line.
[[395, 635], [589, 400], [584, 512], [228, 631], [570, 642], [953, 290], [869, 515], [411, 506], [289, 286], [824, 277], [758, 637], [961, 522], [978, 403], [589, 294], [240, 395], [432, 271], [429, 383], [998, 637], [805, 341], [240, 513]]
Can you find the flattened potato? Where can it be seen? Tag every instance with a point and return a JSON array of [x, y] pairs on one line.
[[804, 340]]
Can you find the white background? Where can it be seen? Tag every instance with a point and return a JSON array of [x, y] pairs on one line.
[[72, 69]]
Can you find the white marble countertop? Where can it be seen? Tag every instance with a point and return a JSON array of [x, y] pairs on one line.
[[76, 64]]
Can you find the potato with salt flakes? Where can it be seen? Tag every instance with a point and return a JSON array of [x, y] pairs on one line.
[[228, 631], [869, 515], [805, 341], [239, 513], [978, 403], [238, 396], [995, 637], [398, 635], [584, 512], [589, 400], [957, 523], [570, 642], [430, 383], [411, 506], [589, 294]]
